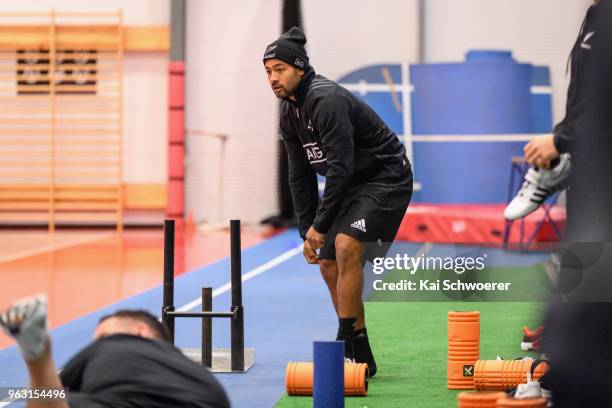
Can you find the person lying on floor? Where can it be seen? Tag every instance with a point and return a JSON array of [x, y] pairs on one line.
[[130, 363]]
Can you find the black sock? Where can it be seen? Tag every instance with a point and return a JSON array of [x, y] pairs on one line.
[[362, 350], [358, 333], [346, 333]]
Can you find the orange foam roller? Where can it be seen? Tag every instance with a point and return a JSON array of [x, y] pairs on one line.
[[463, 359], [471, 347], [464, 344], [299, 379], [454, 350], [464, 327], [479, 399], [524, 403], [452, 353], [463, 349], [493, 375], [460, 375]]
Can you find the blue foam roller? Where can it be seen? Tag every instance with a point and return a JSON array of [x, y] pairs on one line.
[[328, 374]]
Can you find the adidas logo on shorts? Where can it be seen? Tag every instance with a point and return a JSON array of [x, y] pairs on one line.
[[360, 225]]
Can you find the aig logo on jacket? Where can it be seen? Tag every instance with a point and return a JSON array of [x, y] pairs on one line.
[[314, 153]]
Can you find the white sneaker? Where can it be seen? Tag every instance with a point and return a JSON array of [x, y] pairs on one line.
[[538, 186], [531, 389], [26, 322]]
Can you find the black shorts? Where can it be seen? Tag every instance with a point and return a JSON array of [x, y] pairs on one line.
[[371, 213]]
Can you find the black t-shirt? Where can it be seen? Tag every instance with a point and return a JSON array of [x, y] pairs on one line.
[[129, 371]]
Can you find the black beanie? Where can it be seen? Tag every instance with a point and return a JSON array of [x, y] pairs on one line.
[[289, 48]]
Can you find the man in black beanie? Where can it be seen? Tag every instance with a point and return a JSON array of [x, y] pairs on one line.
[[328, 130]]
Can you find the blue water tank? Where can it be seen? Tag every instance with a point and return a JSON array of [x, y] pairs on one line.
[[468, 120]]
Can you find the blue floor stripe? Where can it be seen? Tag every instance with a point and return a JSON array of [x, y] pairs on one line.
[[286, 309]]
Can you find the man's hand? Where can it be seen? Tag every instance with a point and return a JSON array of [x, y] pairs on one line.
[[540, 151], [310, 254], [314, 238], [313, 241]]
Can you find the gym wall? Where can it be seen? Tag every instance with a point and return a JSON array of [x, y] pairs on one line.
[[541, 32], [145, 92], [227, 93], [227, 90], [226, 87]]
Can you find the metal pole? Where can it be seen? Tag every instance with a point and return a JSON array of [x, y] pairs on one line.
[[229, 315], [207, 328], [168, 298], [237, 323], [422, 31]]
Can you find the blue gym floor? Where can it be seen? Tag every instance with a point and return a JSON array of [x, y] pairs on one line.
[[287, 307]]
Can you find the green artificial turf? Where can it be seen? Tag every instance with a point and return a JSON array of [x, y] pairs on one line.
[[410, 344]]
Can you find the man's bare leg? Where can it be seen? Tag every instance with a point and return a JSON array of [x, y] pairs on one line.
[[350, 282], [329, 271], [350, 276], [349, 254]]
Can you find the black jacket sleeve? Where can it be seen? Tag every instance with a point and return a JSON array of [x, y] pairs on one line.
[[72, 373], [302, 181], [563, 137], [331, 116]]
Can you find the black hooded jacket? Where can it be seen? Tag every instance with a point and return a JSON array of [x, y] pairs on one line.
[[581, 61], [589, 199], [329, 131]]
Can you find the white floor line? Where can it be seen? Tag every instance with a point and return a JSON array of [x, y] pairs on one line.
[[227, 286], [253, 273], [53, 247], [424, 249], [245, 277]]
